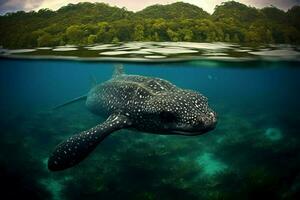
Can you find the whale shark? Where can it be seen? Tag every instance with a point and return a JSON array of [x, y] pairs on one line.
[[146, 104]]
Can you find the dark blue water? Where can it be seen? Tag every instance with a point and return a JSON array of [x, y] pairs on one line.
[[254, 151]]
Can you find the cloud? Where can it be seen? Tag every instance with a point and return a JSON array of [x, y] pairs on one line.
[[14, 5], [209, 5], [134, 5], [283, 4]]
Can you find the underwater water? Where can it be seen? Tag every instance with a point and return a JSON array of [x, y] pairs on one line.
[[254, 151]]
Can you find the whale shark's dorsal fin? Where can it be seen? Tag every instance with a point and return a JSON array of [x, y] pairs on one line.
[[119, 70], [83, 97], [93, 80], [79, 146]]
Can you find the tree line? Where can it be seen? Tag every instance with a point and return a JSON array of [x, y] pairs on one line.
[[89, 23]]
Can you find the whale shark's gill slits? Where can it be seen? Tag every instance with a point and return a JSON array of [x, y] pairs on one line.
[[77, 147]]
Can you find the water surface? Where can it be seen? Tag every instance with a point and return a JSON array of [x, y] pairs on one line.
[[160, 52]]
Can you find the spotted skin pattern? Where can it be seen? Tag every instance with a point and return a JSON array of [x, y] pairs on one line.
[[77, 147], [143, 103]]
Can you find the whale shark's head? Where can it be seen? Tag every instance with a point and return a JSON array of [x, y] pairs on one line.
[[185, 112]]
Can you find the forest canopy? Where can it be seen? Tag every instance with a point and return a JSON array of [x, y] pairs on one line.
[[89, 23]]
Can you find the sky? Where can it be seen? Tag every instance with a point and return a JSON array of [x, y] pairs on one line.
[[135, 5]]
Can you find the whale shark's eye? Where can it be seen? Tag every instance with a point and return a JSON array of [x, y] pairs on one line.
[[167, 117]]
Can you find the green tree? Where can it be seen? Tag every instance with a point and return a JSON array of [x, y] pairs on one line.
[[47, 40], [92, 39], [138, 34], [259, 33], [74, 34], [173, 36], [187, 35], [155, 37], [115, 40], [103, 28]]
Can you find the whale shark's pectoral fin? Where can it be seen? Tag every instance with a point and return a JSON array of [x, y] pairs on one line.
[[76, 148]]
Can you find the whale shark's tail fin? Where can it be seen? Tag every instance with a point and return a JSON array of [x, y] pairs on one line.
[[119, 70], [83, 97]]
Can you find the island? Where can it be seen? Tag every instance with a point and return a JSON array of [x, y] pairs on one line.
[[91, 23]]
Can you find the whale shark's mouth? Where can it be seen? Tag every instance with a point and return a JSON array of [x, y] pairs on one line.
[[192, 132], [188, 133], [185, 133]]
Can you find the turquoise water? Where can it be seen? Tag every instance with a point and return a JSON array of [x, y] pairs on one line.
[[254, 150]]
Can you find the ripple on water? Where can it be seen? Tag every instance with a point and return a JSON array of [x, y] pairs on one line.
[[167, 51], [65, 49], [277, 53], [21, 51]]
